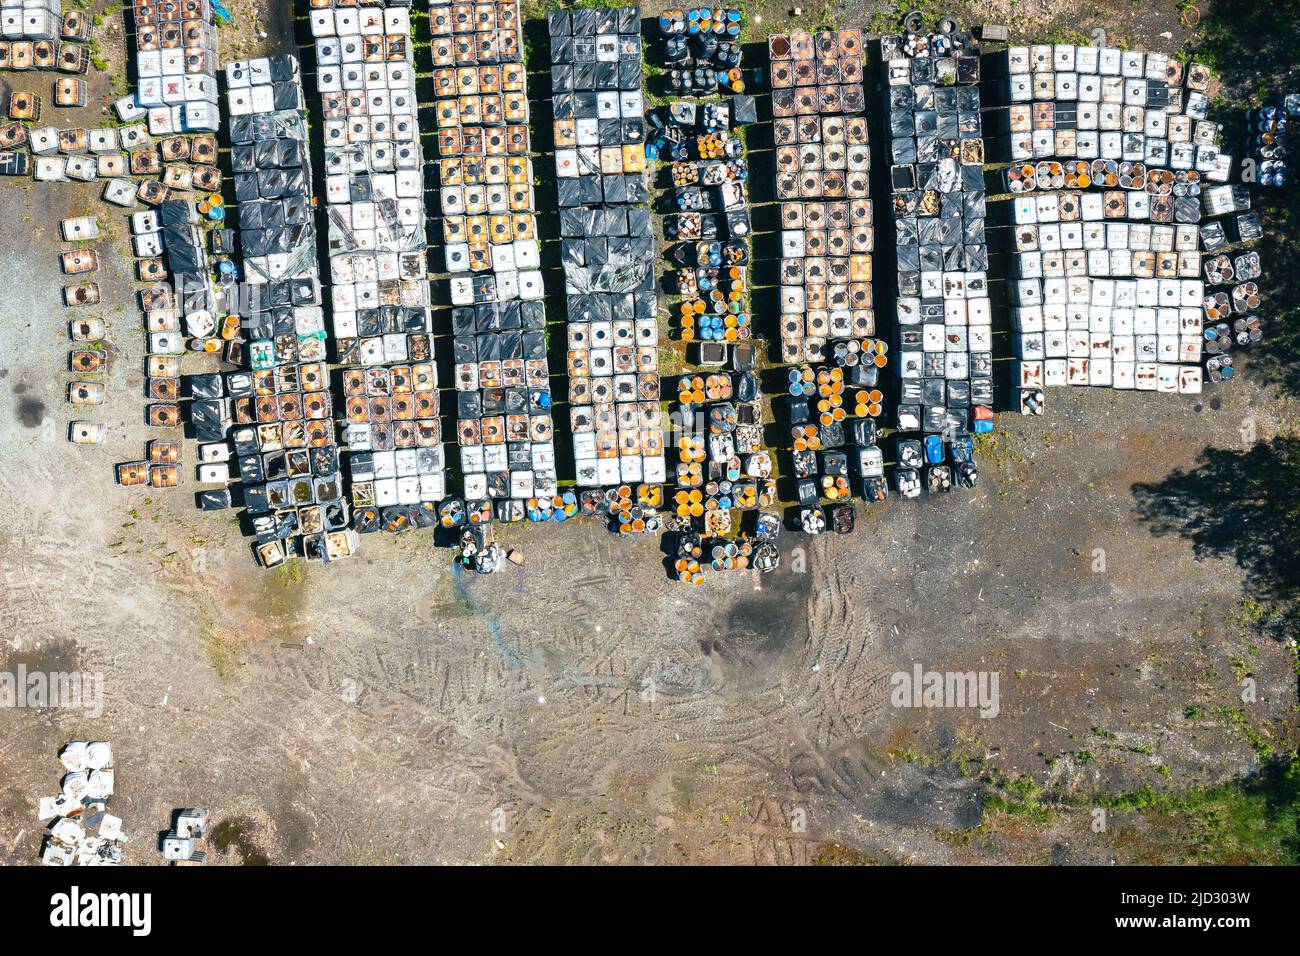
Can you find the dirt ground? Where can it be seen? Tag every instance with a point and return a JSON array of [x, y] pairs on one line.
[[583, 708]]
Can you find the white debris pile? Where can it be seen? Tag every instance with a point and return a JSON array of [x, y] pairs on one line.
[[180, 846], [81, 807]]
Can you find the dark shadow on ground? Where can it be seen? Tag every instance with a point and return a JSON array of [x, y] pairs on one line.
[[1239, 504]]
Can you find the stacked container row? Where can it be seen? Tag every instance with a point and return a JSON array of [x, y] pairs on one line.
[[943, 314], [30, 19], [1108, 254], [1088, 102], [378, 271], [607, 247], [284, 435], [176, 66], [823, 170], [489, 231]]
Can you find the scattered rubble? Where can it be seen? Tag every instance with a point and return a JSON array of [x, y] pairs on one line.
[[81, 807], [180, 846]]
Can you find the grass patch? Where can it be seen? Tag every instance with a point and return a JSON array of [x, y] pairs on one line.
[[1021, 798], [1068, 34], [888, 19], [907, 756], [836, 854], [225, 654], [1253, 820], [291, 573]]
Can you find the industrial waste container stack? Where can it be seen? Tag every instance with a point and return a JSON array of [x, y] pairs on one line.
[[174, 52], [828, 319], [489, 237], [176, 66], [1112, 150], [1230, 269], [195, 303], [284, 434], [179, 300], [173, 47], [943, 316], [607, 248], [89, 352], [1133, 265], [378, 272], [1084, 102], [1270, 135], [722, 465], [187, 262], [823, 169], [30, 19], [1103, 300], [35, 35]]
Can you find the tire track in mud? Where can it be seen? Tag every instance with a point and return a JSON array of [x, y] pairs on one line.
[[838, 685], [381, 744], [451, 709], [442, 718], [843, 679]]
